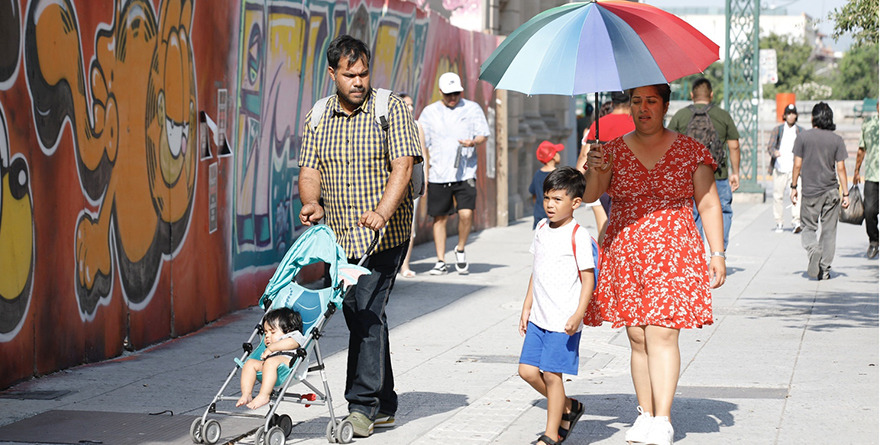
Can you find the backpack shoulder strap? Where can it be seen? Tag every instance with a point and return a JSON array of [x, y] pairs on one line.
[[574, 250], [318, 112], [383, 96]]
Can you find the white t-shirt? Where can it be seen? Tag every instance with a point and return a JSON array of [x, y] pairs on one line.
[[444, 127], [785, 161], [555, 282]]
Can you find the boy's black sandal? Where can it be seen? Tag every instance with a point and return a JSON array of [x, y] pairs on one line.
[[548, 440], [572, 417]]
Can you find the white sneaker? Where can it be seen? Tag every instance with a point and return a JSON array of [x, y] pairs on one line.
[[778, 228], [639, 431], [661, 432], [439, 269], [461, 264]]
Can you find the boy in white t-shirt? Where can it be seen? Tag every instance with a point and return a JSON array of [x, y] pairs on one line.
[[559, 291]]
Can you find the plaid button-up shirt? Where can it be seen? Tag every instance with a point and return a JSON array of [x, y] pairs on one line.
[[351, 154]]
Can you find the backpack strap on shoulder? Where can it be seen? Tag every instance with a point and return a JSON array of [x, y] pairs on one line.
[[318, 112], [574, 250], [383, 96]]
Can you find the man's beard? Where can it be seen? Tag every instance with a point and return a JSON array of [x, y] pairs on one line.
[[354, 102]]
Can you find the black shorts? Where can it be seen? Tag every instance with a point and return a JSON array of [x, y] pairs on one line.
[[440, 197]]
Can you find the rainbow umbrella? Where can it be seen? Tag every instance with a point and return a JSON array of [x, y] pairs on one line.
[[597, 46]]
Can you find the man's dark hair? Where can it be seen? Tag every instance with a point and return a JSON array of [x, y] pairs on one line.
[[288, 320], [823, 117], [403, 95], [566, 178], [349, 47], [619, 98], [702, 88]]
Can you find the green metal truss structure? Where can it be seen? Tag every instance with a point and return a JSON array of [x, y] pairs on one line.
[[741, 76]]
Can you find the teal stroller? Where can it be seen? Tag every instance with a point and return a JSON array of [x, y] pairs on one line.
[[316, 306]]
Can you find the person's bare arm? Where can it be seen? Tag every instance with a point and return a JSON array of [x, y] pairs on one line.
[[733, 174], [526, 309], [709, 207], [860, 156], [598, 179], [310, 195], [841, 176], [395, 189], [795, 174], [588, 280]]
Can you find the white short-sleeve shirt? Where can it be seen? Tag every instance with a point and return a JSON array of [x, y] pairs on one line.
[[555, 274], [444, 127]]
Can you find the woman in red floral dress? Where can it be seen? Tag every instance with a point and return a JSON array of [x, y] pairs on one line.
[[654, 276]]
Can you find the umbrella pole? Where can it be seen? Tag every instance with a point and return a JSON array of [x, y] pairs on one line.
[[596, 100]]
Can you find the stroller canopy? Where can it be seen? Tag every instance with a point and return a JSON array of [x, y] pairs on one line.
[[317, 244]]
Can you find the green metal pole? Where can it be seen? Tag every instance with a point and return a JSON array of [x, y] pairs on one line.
[[741, 71]]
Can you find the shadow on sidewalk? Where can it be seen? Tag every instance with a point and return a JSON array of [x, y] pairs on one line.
[[424, 404], [601, 420], [827, 309]]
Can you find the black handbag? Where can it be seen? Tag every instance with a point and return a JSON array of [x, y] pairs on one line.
[[855, 213]]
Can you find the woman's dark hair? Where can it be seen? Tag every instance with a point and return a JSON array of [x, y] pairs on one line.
[[347, 46], [606, 108], [662, 89], [823, 117], [566, 178], [288, 320], [403, 95]]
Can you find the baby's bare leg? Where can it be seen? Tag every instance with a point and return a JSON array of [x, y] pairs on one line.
[[248, 379], [270, 375]]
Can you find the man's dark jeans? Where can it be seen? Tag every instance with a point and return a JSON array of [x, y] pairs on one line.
[[369, 385]]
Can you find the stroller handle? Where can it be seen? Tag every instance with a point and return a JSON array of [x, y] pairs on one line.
[[370, 248]]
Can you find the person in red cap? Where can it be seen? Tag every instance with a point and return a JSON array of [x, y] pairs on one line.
[[548, 154]]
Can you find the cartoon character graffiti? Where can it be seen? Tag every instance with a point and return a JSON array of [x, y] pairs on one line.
[[133, 121], [17, 243], [16, 238]]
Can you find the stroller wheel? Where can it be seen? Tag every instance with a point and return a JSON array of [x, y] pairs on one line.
[[345, 432], [211, 431], [195, 430], [275, 436], [286, 424], [331, 430], [258, 438]]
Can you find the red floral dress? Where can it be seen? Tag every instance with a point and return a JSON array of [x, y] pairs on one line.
[[654, 269]]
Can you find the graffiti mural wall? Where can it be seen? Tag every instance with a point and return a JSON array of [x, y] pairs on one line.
[[148, 156]]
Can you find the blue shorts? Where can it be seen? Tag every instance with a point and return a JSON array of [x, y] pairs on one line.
[[551, 351]]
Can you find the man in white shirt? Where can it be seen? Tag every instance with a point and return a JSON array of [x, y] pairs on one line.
[[453, 127], [781, 161]]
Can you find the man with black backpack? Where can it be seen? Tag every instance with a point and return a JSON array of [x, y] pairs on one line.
[[698, 121]]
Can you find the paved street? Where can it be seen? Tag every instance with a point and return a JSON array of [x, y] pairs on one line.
[[789, 360]]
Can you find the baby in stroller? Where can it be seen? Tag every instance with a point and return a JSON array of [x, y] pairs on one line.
[[282, 330]]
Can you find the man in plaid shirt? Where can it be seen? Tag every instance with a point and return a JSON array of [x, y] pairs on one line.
[[357, 175]]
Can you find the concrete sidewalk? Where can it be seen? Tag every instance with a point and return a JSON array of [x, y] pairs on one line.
[[788, 360]]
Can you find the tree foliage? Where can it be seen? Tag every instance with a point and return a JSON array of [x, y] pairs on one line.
[[793, 65], [857, 76], [681, 88], [859, 18]]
